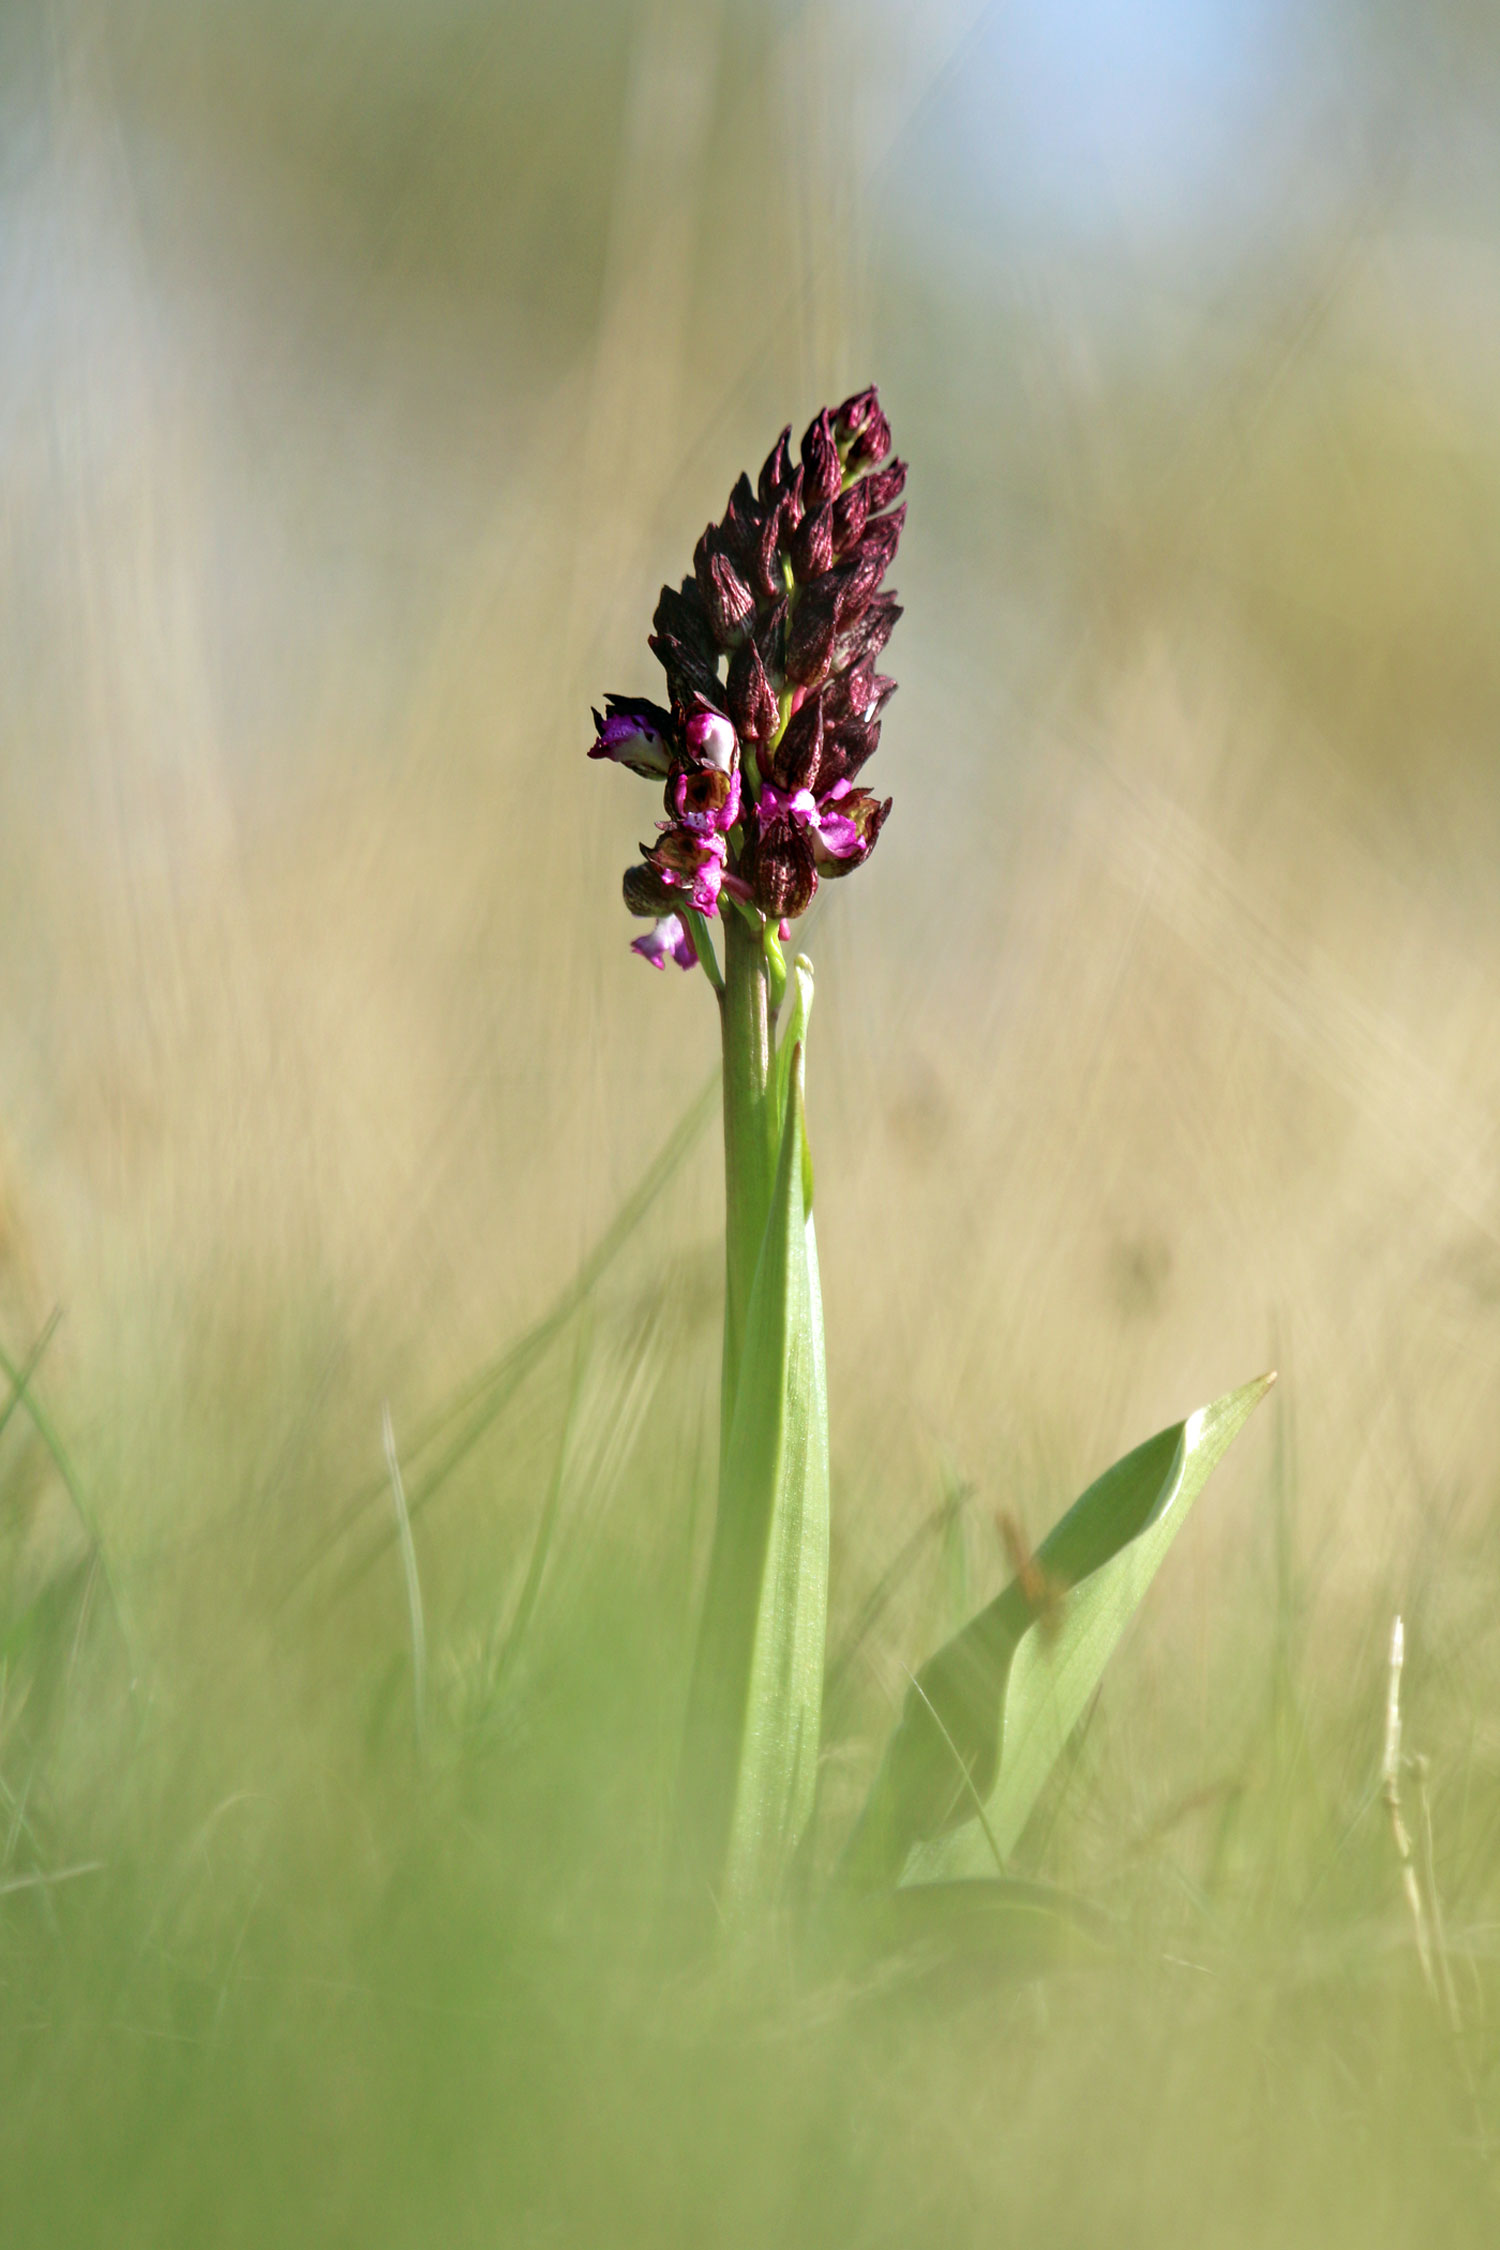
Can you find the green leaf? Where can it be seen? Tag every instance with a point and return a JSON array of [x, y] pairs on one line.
[[756, 1703], [987, 1717]]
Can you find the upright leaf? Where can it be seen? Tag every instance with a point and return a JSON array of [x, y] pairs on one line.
[[986, 1718], [756, 1702]]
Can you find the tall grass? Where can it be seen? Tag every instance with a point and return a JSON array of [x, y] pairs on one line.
[[362, 379]]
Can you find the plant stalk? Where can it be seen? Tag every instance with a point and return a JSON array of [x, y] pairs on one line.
[[750, 1135]]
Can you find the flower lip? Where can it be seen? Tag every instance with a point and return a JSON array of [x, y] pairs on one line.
[[665, 941], [705, 801]]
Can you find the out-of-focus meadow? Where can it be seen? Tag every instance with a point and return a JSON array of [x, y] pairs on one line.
[[364, 370]]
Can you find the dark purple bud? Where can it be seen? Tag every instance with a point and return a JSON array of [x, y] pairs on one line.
[[858, 581], [855, 414], [776, 474], [882, 537], [703, 571], [799, 753], [849, 743], [860, 693], [645, 892], [884, 485], [812, 545], [850, 512], [681, 614], [872, 444], [864, 643], [822, 470], [766, 575], [752, 699], [740, 531], [729, 600], [784, 876], [810, 637], [770, 642], [691, 676]]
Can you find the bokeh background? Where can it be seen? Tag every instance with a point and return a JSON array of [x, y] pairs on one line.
[[364, 370]]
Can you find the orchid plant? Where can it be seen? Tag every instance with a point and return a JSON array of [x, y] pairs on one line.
[[770, 648]]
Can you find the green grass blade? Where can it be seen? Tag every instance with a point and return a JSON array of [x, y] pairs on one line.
[[756, 1706], [988, 1716], [466, 1417], [18, 1378]]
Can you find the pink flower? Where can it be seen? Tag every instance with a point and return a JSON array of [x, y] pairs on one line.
[[634, 733], [666, 941], [687, 861]]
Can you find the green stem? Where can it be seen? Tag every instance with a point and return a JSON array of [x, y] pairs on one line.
[[749, 1137]]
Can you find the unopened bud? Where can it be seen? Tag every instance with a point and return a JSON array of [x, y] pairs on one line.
[[872, 443], [752, 700], [855, 413], [810, 636], [645, 892], [822, 470], [884, 485], [728, 599], [850, 512], [776, 474], [812, 544], [799, 753]]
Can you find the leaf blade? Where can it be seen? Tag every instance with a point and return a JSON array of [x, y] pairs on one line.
[[989, 1714]]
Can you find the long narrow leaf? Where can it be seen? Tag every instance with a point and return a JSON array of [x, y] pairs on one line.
[[988, 1716]]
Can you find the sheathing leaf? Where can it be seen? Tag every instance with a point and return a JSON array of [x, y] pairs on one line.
[[757, 1698]]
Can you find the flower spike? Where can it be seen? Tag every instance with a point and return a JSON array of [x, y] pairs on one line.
[[769, 646]]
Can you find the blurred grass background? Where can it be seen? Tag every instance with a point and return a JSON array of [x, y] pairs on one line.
[[365, 371]]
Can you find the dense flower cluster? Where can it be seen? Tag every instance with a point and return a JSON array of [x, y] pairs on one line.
[[770, 650]]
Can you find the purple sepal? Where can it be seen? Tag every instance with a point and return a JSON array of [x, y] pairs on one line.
[[634, 733]]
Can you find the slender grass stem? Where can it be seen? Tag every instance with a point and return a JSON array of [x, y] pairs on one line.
[[413, 1583], [1390, 1776]]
